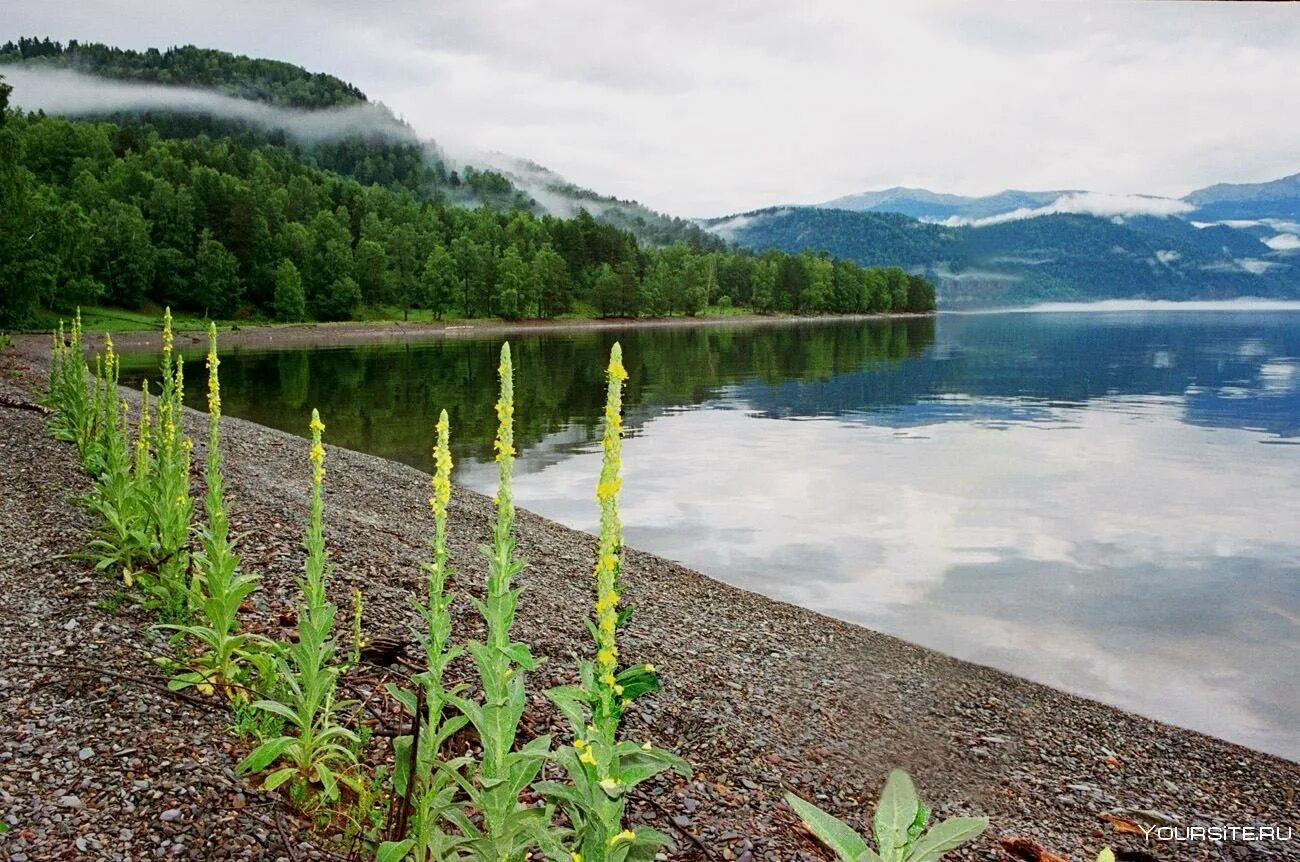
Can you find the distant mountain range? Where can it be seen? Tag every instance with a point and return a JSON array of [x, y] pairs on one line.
[[1017, 247]]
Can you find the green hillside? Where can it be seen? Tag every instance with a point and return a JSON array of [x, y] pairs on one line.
[[242, 226]]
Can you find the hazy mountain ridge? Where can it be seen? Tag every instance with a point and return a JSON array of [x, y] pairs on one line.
[[936, 206], [1016, 246], [1278, 198], [1063, 256]]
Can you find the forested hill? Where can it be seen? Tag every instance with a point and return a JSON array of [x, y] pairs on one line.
[[269, 81], [1064, 257], [100, 212]]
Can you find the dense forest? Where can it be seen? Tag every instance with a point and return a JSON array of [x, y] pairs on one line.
[[115, 213], [382, 150]]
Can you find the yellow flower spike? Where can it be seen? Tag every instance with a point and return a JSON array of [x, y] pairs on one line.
[[627, 835], [580, 743], [647, 746], [649, 668], [587, 758], [608, 679], [577, 857], [618, 689], [214, 384]]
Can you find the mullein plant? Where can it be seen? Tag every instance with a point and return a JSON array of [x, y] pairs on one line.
[[420, 775], [171, 507], [898, 825], [219, 585], [602, 767], [508, 828], [121, 539], [320, 750], [70, 389]]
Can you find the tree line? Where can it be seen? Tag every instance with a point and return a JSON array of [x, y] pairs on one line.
[[104, 212]]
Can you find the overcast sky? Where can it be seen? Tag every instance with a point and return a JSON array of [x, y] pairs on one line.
[[703, 108]]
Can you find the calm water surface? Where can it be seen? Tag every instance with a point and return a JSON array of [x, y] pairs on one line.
[[1105, 502]]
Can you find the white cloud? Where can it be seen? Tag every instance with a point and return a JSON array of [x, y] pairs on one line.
[[58, 91], [1086, 203], [1283, 242], [1255, 266], [701, 109]]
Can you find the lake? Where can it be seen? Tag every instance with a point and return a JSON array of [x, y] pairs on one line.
[[1106, 502]]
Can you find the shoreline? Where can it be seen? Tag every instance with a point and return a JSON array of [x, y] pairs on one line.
[[760, 696], [348, 333]]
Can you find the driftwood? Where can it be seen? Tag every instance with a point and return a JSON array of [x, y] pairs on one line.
[[15, 404]]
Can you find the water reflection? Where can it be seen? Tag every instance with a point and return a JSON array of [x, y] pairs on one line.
[[1079, 498]]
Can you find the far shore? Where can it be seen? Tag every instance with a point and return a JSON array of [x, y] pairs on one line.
[[345, 333]]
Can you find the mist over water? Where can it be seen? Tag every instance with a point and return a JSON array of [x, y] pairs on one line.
[[1105, 502]]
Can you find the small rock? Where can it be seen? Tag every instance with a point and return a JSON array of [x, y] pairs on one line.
[[170, 814], [85, 753]]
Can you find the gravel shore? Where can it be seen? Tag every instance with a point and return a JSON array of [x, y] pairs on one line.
[[761, 697]]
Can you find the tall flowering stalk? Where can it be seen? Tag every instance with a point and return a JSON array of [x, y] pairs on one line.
[[420, 775], [71, 390], [321, 750], [142, 469], [122, 538], [601, 766], [509, 828], [171, 507], [219, 586]]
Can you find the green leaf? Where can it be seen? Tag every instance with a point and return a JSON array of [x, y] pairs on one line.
[[895, 812], [646, 844], [832, 831], [917, 829], [327, 781], [394, 851], [948, 835], [279, 709], [406, 698], [280, 776], [520, 655], [265, 754]]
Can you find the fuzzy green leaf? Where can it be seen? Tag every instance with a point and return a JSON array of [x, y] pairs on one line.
[[895, 813], [948, 835], [265, 754], [832, 831], [280, 776], [394, 851]]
